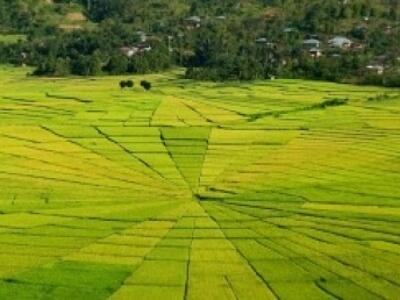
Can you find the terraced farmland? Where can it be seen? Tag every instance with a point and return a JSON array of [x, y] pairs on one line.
[[273, 190]]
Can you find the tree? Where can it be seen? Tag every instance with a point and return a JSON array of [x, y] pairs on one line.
[[62, 67], [95, 64], [81, 65], [392, 79], [129, 83], [146, 85], [118, 64]]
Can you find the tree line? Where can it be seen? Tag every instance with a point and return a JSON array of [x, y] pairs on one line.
[[234, 40]]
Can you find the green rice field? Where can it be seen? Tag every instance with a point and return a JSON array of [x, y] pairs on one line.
[[282, 189], [11, 38]]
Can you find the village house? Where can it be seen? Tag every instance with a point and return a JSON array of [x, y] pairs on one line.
[[193, 22], [143, 47], [388, 29], [378, 65], [142, 36], [289, 30], [128, 51], [315, 52], [381, 58], [376, 68], [311, 43], [139, 48], [336, 55], [340, 42], [357, 47], [314, 36], [264, 41]]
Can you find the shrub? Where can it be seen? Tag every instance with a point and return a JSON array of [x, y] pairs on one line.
[[380, 97], [392, 79], [331, 102], [146, 85], [129, 83], [122, 84]]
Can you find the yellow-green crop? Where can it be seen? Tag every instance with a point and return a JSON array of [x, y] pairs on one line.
[[283, 189]]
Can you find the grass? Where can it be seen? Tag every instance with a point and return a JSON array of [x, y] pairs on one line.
[[267, 190], [11, 38]]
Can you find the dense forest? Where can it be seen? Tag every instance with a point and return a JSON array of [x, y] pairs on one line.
[[338, 40]]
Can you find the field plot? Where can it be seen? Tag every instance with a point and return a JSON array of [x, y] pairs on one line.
[[11, 38], [284, 189]]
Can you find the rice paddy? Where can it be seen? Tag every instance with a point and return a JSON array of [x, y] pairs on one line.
[[11, 38], [283, 189]]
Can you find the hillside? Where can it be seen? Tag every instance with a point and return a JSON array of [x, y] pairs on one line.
[[18, 16], [352, 41]]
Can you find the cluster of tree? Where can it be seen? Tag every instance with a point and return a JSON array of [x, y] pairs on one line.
[[146, 85], [126, 84], [15, 14], [233, 39]]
